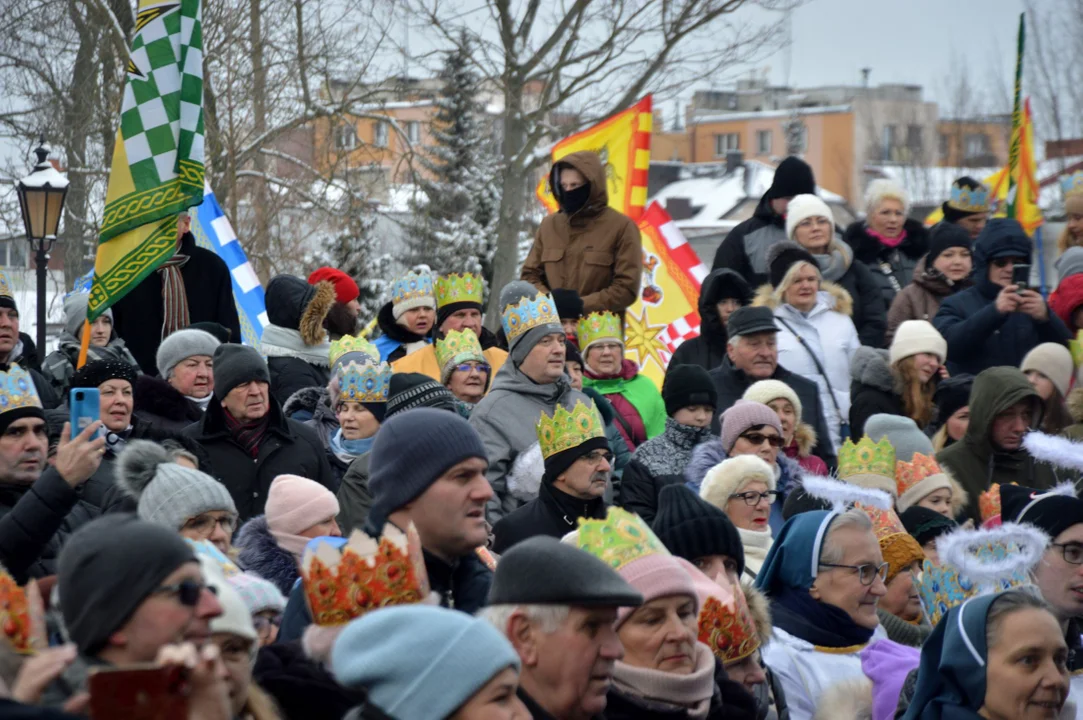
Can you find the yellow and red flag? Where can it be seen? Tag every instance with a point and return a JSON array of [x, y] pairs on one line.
[[666, 312], [624, 142]]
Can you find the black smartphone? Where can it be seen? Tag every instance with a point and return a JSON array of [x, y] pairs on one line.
[[1021, 276]]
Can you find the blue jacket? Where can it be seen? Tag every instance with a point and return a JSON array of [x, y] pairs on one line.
[[979, 336]]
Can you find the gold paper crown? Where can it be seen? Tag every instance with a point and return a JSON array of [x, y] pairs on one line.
[[350, 344], [343, 584], [968, 199], [728, 630], [599, 326], [527, 314], [17, 390], [565, 429], [867, 458], [22, 615], [989, 503], [366, 382], [455, 288], [909, 474], [458, 346], [619, 539]]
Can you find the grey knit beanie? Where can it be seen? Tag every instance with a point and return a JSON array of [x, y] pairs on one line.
[[411, 451], [235, 365], [1069, 263], [168, 494], [901, 432], [75, 312], [182, 345], [521, 345]]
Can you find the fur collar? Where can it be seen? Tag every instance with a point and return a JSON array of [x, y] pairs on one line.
[[283, 342], [304, 400], [869, 366], [805, 435], [846, 700], [525, 477], [831, 297], [155, 396], [261, 554], [760, 610], [1075, 403]]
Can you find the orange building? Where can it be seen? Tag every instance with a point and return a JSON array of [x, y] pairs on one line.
[[977, 143]]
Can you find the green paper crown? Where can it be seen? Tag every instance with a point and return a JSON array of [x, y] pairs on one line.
[[619, 539], [465, 287], [456, 347], [599, 326], [351, 344], [569, 429], [867, 458]]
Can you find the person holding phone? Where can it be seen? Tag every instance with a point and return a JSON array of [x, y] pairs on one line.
[[999, 320]]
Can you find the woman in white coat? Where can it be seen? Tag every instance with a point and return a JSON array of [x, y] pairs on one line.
[[816, 337]]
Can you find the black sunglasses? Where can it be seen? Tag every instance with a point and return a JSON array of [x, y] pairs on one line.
[[188, 592], [758, 439], [1005, 261]]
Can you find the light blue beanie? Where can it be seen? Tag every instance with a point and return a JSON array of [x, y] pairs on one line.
[[419, 662]]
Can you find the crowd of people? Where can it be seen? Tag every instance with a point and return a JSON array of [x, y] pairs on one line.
[[853, 495]]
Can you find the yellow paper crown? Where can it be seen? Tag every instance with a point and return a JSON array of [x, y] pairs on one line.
[[364, 382], [458, 346], [458, 287], [565, 429], [619, 539], [867, 458], [527, 314], [350, 344], [343, 584], [909, 474], [17, 390], [599, 326]]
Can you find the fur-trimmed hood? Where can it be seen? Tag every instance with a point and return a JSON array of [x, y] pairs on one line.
[[831, 297], [805, 437], [760, 610], [870, 366], [1075, 404], [260, 553], [846, 700], [293, 304], [304, 400]]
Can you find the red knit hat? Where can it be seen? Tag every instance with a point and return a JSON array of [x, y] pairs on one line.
[[345, 287]]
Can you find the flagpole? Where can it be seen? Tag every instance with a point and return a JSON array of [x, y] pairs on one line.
[[1017, 119]]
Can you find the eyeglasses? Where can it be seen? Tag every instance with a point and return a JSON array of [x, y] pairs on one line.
[[263, 623], [188, 592], [753, 498], [205, 524], [865, 573], [606, 347], [758, 439], [1006, 261], [596, 456], [1071, 552], [480, 367]]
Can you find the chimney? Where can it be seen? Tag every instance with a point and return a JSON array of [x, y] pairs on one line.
[[865, 71], [734, 159]]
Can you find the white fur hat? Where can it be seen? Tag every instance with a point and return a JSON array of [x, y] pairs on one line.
[[732, 475], [765, 391], [917, 336], [806, 206]]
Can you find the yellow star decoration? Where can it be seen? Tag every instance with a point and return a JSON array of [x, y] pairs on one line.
[[642, 337]]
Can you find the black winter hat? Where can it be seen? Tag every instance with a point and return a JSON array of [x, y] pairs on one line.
[[571, 353], [416, 390], [544, 571], [793, 176], [686, 385], [1051, 511], [924, 524], [569, 304], [951, 394], [946, 235], [691, 528], [95, 372], [723, 284], [781, 256], [235, 365]]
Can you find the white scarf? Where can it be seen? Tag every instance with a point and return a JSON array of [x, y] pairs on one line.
[[282, 342], [756, 543], [201, 402]]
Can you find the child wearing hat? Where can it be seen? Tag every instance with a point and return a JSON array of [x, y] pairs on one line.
[[406, 321], [1050, 369], [690, 399]]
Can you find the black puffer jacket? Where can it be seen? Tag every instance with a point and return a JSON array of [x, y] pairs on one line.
[[260, 553], [463, 586], [288, 448], [745, 247], [552, 513], [709, 349], [872, 389], [893, 268]]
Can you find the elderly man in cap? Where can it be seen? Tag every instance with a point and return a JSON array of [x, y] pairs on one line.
[[181, 395], [532, 382], [428, 468], [557, 605], [577, 464], [752, 355], [248, 439]]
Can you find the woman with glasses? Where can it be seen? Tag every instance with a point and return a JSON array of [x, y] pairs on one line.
[[1000, 319], [464, 370], [743, 487], [824, 578], [264, 602]]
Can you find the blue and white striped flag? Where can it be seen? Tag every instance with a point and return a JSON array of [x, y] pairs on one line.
[[212, 231]]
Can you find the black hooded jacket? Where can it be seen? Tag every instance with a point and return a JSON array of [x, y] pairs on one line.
[[709, 349], [391, 329], [744, 250]]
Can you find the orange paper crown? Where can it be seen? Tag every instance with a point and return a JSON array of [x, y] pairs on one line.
[[728, 629], [989, 503], [343, 584], [909, 474], [22, 615], [885, 523]]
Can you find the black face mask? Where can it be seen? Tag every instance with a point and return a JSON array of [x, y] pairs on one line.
[[572, 201]]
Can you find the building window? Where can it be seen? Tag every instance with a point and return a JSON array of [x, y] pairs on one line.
[[763, 142], [725, 142], [379, 138], [888, 142], [915, 139], [945, 145], [977, 146], [413, 132], [345, 137]]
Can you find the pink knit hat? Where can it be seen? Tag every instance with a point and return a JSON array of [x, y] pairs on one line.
[[294, 504], [742, 415], [656, 576]]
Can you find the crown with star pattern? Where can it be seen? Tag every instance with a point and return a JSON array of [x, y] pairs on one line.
[[414, 288], [17, 390], [459, 287], [567, 429], [619, 539], [349, 344], [458, 346], [1072, 184], [366, 382], [864, 462], [968, 199], [598, 326], [527, 314]]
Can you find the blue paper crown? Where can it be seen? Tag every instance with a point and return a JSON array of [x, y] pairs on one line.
[[17, 390], [944, 587], [413, 286], [363, 383], [968, 199], [6, 290], [1072, 184], [527, 314]]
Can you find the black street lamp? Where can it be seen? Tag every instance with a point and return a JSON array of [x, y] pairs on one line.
[[41, 197]]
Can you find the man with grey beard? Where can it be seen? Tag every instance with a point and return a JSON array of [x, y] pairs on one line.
[[576, 461]]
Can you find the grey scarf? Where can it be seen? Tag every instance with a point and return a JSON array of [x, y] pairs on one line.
[[835, 263], [284, 342]]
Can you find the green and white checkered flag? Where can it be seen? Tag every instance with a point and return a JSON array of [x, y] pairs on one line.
[[157, 169]]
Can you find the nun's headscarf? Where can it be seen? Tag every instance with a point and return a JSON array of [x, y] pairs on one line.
[[794, 559]]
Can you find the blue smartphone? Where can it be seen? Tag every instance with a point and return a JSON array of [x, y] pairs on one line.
[[85, 409]]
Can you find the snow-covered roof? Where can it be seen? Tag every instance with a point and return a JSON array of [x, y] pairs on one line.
[[766, 114]]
